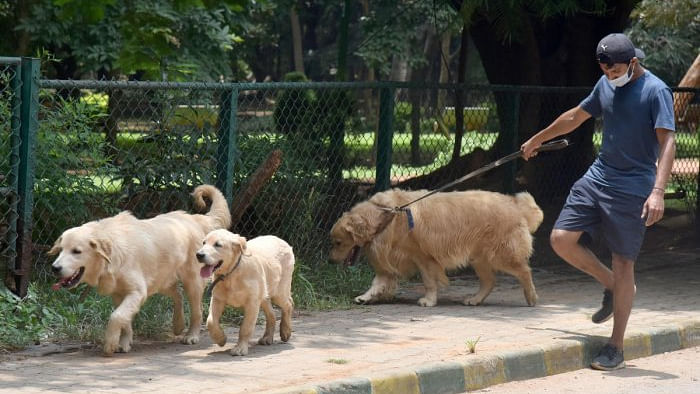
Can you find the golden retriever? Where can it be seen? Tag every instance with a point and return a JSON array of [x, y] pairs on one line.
[[248, 275], [487, 230], [131, 259]]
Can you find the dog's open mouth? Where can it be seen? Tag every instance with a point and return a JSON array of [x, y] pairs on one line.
[[70, 281], [207, 270], [351, 258]]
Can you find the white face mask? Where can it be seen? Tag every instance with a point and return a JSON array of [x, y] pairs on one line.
[[623, 79]]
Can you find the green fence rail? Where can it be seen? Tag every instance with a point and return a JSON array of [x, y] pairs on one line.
[[107, 146]]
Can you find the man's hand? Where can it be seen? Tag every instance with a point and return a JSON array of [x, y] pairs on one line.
[[528, 148], [653, 209]]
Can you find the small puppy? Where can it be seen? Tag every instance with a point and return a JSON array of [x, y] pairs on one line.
[[248, 275]]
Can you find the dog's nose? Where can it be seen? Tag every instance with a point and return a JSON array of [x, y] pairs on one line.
[[200, 256], [55, 268]]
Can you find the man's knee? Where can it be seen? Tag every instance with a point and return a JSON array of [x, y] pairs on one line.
[[622, 264], [561, 240]]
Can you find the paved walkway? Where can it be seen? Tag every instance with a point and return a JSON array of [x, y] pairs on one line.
[[400, 348]]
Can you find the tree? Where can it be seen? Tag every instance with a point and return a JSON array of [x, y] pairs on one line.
[[669, 32], [178, 40], [543, 43]]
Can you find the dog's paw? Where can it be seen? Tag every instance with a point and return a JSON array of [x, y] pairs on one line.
[[219, 339], [178, 324], [239, 350], [472, 301], [265, 340], [532, 301], [191, 339], [285, 333], [425, 301]]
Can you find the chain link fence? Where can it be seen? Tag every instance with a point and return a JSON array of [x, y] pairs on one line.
[[10, 84], [107, 146]]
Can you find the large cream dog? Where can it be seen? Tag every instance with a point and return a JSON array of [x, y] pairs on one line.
[[487, 230], [248, 275], [131, 259]]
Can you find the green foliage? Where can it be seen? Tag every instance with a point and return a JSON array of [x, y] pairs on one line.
[[395, 30], [69, 154], [294, 109], [402, 116], [177, 40], [24, 321], [326, 286], [669, 34]]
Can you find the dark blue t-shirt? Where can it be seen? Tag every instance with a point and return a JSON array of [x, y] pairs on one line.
[[630, 149]]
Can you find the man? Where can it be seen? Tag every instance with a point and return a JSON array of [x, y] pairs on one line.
[[623, 190]]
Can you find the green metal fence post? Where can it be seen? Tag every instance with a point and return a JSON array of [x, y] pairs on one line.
[[511, 140], [29, 123], [384, 139], [226, 151]]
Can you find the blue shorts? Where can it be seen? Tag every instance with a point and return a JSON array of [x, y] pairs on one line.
[[592, 208]]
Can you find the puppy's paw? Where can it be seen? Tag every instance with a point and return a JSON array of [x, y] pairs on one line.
[[425, 301], [265, 340], [239, 350], [191, 339], [109, 349]]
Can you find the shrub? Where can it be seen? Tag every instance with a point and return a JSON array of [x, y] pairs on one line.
[[294, 109]]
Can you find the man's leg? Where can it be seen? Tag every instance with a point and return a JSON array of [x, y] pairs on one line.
[[624, 290], [565, 244], [611, 356]]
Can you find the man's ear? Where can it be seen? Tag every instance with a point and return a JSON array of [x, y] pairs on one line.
[[56, 247]]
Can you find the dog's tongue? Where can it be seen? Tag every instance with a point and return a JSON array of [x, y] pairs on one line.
[[58, 285], [206, 271]]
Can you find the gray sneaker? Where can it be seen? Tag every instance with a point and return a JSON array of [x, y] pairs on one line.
[[606, 310], [610, 358]]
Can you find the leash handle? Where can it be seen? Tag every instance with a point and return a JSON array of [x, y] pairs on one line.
[[553, 145]]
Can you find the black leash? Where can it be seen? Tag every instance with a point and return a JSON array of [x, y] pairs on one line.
[[554, 145], [219, 278]]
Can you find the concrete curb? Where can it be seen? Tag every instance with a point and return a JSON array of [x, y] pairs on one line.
[[532, 362]]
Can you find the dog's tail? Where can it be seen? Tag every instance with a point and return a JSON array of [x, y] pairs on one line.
[[533, 213], [219, 206]]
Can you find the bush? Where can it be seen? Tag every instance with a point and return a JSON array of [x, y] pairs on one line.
[[71, 169], [294, 109], [24, 321]]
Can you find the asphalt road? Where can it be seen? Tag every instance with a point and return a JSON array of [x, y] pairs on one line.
[[675, 372]]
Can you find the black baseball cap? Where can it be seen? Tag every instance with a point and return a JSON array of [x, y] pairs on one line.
[[617, 48]]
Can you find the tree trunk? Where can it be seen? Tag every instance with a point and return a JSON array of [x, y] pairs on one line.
[[296, 40], [444, 69], [415, 95], [459, 94], [681, 100]]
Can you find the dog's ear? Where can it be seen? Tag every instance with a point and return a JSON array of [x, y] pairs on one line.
[[56, 247], [358, 228], [240, 242], [103, 247]]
